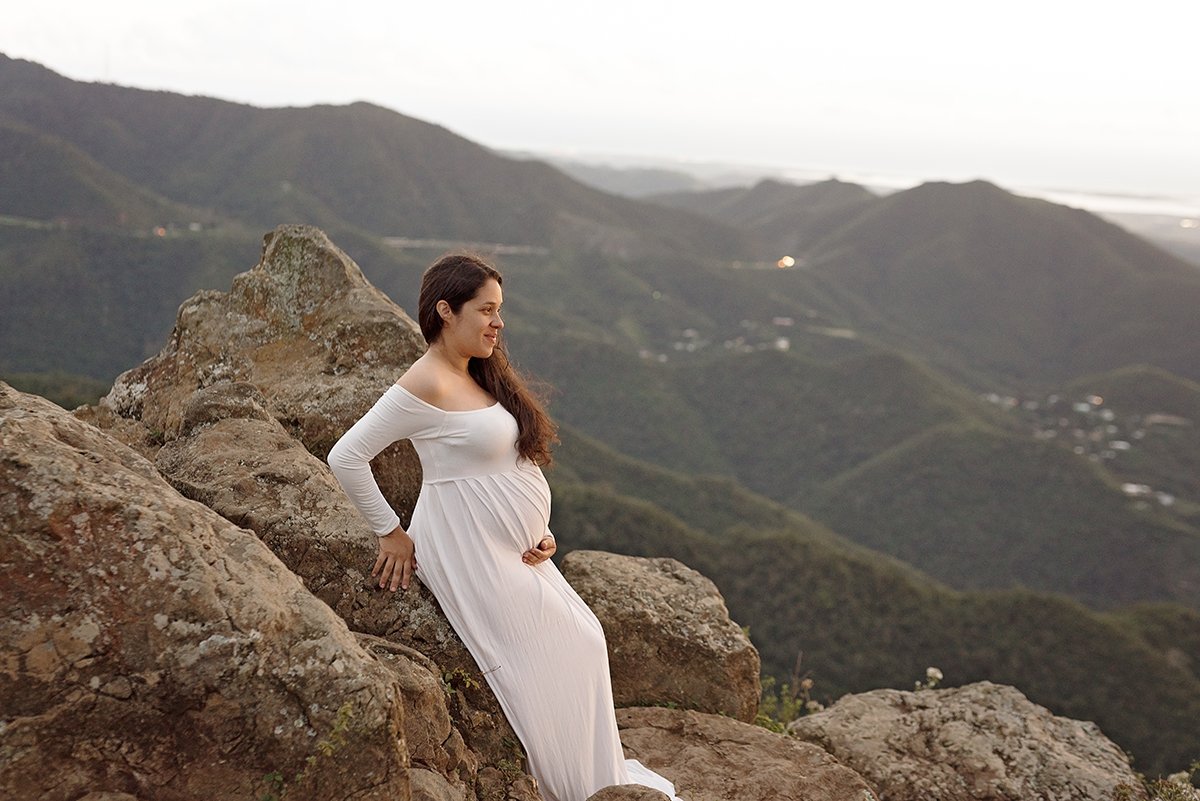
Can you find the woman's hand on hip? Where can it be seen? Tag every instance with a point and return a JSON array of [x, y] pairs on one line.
[[540, 553], [396, 561]]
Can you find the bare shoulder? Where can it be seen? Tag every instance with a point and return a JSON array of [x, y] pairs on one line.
[[424, 380]]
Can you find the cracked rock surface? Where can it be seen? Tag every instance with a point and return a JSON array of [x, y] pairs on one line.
[[979, 741], [670, 638], [152, 648], [236, 459], [305, 328], [714, 758]]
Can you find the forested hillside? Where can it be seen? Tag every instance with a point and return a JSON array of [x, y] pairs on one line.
[[860, 620]]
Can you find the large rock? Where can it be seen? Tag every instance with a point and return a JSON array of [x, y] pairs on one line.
[[670, 639], [981, 741], [306, 329], [234, 457], [713, 758], [151, 648]]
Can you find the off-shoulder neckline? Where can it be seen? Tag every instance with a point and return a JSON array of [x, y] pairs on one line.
[[439, 408]]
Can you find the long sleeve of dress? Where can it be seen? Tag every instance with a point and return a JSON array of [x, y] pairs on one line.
[[396, 415]]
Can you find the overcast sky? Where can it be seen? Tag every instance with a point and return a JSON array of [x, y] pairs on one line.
[[1047, 93]]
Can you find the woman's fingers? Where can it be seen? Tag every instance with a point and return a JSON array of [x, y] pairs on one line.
[[537, 555], [396, 561], [401, 576], [387, 569]]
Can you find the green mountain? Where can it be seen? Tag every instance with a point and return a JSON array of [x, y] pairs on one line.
[[787, 218], [47, 179], [958, 497], [358, 166], [789, 381], [1026, 292], [998, 291]]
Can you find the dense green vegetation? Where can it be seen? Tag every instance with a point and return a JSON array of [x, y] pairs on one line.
[[94, 302], [945, 501], [892, 456], [48, 179], [68, 391]]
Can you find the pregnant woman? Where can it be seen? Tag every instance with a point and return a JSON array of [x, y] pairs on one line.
[[479, 537]]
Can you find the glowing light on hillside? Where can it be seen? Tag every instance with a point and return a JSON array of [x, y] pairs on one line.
[[785, 262], [1189, 223]]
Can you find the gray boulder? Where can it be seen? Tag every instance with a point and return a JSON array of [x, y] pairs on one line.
[[234, 457], [980, 741], [670, 638], [153, 649], [306, 329]]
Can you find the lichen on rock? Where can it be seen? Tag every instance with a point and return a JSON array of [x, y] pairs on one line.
[[670, 638], [150, 645], [981, 740], [306, 329]]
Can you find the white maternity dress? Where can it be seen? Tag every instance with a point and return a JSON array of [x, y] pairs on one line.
[[539, 646]]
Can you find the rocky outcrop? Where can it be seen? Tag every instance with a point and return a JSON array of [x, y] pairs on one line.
[[713, 758], [981, 741], [152, 648], [306, 329], [238, 411], [234, 457], [670, 639]]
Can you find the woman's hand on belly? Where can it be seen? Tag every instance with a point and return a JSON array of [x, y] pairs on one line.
[[540, 553], [396, 561]]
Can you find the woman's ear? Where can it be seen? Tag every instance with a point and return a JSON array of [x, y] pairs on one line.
[[443, 310]]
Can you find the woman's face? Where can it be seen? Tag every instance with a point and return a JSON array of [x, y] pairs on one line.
[[475, 329]]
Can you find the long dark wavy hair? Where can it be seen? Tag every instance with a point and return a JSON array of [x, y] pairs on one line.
[[455, 278]]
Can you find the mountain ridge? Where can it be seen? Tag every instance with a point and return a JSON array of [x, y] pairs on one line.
[[329, 164]]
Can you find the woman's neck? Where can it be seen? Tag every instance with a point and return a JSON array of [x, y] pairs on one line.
[[457, 362]]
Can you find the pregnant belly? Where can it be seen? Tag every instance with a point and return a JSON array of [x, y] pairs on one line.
[[510, 510], [526, 499]]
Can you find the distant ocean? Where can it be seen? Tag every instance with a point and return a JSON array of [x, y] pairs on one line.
[[1182, 206], [1169, 209], [1107, 203]]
